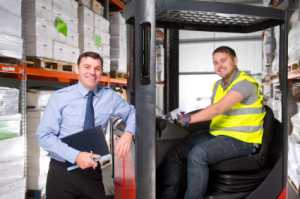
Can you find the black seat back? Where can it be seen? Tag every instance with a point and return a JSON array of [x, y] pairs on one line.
[[268, 134]]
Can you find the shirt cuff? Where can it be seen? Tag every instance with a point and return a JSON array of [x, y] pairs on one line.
[[130, 129], [71, 155]]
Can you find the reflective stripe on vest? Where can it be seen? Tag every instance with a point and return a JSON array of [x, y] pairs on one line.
[[243, 121]]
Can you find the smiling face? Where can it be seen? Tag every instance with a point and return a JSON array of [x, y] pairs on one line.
[[90, 70], [224, 64]]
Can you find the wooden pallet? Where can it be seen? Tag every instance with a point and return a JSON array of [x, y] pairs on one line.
[[115, 74], [51, 64], [9, 60]]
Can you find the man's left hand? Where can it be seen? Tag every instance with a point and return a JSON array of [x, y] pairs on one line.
[[124, 144]]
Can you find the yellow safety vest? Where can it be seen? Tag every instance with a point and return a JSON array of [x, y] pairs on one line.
[[243, 121]]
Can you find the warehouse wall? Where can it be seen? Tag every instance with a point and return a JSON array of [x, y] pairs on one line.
[[195, 59]]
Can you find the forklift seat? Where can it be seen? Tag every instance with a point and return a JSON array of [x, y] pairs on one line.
[[244, 174]]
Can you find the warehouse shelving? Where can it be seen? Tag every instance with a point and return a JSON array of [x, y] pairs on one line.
[[22, 71]]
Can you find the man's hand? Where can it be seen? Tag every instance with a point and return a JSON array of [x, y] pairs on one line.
[[123, 145], [184, 119], [85, 160]]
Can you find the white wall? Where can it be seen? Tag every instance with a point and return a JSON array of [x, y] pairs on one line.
[[195, 90]]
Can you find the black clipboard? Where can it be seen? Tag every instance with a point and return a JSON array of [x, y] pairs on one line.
[[86, 141]]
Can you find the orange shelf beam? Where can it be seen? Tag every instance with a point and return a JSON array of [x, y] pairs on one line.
[[119, 4]]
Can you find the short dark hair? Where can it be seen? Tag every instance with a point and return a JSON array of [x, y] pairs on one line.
[[225, 49], [91, 54]]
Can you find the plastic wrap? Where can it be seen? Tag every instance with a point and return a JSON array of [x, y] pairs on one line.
[[9, 101]]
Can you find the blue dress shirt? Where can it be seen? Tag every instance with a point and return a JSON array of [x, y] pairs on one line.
[[65, 113]]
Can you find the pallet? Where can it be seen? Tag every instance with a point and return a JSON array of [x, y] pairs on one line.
[[9, 60], [51, 64], [115, 74]]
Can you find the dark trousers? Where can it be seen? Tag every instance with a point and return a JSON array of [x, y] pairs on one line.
[[76, 184]]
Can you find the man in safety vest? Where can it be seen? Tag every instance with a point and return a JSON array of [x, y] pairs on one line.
[[236, 126]]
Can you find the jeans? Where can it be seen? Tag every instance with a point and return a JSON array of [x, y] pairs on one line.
[[205, 149]]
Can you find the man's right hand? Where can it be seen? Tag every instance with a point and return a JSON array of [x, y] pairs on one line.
[[85, 160]]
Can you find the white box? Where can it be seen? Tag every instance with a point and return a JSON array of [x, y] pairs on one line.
[[13, 6], [11, 46], [13, 190], [106, 65], [39, 29], [39, 48], [10, 23], [71, 39], [66, 7], [9, 100], [105, 38], [64, 52], [12, 149], [86, 16], [12, 170], [105, 51], [37, 9], [72, 22], [38, 99], [47, 4], [101, 24], [10, 125], [86, 32]]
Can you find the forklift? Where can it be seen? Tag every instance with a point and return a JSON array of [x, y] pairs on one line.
[[263, 175]]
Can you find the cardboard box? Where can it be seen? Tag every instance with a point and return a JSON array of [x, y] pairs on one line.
[[64, 52], [37, 99], [86, 16], [9, 100], [41, 9], [13, 190], [10, 126], [13, 6], [101, 24], [10, 24], [39, 48], [97, 7]]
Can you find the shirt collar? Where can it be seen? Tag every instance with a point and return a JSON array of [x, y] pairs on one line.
[[84, 91], [232, 78]]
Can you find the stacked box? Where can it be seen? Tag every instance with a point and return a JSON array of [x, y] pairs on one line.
[[118, 42], [12, 181], [38, 99], [94, 34], [51, 29], [37, 159], [294, 40], [11, 42], [9, 101], [10, 126], [293, 160]]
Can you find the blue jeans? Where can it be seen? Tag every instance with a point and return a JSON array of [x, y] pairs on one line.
[[205, 149]]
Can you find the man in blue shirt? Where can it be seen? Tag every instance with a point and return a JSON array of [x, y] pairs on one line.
[[65, 115]]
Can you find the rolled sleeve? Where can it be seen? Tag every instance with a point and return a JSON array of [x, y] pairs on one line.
[[245, 88]]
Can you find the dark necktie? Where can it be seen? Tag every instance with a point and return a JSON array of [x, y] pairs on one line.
[[89, 121]]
